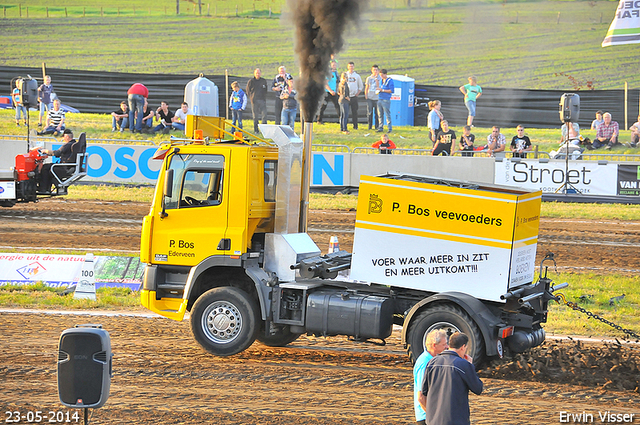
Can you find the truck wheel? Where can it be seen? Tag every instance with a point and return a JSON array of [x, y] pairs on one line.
[[449, 318], [223, 321], [281, 338]]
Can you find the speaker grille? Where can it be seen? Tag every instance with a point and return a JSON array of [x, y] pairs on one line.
[[62, 356], [100, 357]]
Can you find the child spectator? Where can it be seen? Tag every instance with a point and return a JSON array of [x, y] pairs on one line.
[[445, 140], [289, 105], [520, 144], [45, 92], [120, 117], [466, 141], [384, 144], [20, 108], [599, 120], [635, 134], [237, 103]]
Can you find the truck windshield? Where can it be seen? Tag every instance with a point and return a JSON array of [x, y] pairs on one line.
[[197, 181]]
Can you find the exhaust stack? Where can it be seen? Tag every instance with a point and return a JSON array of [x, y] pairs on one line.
[[307, 137]]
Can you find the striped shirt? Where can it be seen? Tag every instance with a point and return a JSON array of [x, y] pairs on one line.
[[55, 117]]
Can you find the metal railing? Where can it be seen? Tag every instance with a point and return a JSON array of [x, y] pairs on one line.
[[330, 148]]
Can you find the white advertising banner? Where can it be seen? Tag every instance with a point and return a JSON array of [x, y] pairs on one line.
[[63, 270], [625, 27], [590, 178]]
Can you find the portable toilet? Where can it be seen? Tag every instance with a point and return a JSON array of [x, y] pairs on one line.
[[201, 95], [402, 100]]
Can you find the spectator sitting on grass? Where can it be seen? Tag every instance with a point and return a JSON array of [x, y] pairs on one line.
[[607, 134], [520, 144], [384, 144], [445, 141], [635, 134], [55, 120], [165, 116], [120, 117], [466, 141], [496, 143], [147, 119], [179, 119], [595, 123]]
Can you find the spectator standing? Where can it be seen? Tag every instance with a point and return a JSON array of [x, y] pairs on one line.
[[445, 142], [434, 119], [343, 100], [257, 93], [55, 120], [448, 379], [466, 141], [289, 105], [436, 343], [635, 134], [137, 96], [471, 92], [179, 120], [520, 144], [237, 103], [120, 117], [20, 108], [165, 116], [607, 134], [496, 142], [595, 123], [44, 98], [371, 93], [355, 88], [384, 144], [330, 92], [279, 84], [384, 101]]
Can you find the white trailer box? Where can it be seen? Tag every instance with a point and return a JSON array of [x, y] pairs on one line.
[[475, 238]]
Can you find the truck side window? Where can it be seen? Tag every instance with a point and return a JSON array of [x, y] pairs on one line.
[[270, 174], [201, 188]]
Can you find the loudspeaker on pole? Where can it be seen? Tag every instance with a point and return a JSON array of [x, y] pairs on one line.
[[84, 366]]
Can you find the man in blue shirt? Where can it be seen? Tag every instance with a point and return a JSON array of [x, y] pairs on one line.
[[436, 343], [448, 379], [384, 101], [330, 92]]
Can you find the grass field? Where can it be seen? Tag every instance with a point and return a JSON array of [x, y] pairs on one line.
[[99, 126], [506, 44]]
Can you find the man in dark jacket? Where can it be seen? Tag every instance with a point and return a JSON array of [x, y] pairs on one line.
[[257, 92], [447, 381], [68, 154]]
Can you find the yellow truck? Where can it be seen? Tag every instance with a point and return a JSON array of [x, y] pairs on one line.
[[225, 240]]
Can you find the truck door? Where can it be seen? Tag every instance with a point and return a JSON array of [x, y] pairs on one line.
[[196, 218]]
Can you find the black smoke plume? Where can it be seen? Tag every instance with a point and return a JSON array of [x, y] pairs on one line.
[[319, 28]]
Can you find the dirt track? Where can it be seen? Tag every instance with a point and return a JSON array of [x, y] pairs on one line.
[[161, 376]]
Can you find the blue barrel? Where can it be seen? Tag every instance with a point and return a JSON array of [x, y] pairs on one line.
[[402, 100]]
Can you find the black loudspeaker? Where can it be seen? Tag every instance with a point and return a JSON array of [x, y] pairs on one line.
[[569, 107], [28, 91], [84, 366]]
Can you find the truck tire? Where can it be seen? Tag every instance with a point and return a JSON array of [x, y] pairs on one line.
[[450, 318], [281, 338], [224, 321]]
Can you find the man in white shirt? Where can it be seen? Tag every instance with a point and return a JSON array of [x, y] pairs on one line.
[[179, 120]]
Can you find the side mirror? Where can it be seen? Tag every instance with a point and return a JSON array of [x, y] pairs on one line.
[[168, 184]]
